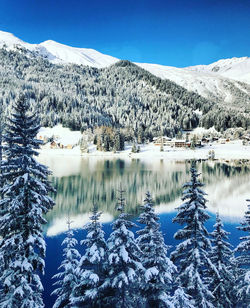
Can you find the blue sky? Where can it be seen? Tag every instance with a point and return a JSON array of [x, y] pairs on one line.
[[177, 32]]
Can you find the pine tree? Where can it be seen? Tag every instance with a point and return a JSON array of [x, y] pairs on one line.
[[68, 276], [123, 264], [222, 279], [243, 262], [118, 141], [25, 201], [107, 143], [87, 292], [1, 174], [157, 282], [1, 155], [181, 299], [191, 255], [134, 148]]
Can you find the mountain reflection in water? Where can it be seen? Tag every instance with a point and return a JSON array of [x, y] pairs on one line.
[[81, 181]]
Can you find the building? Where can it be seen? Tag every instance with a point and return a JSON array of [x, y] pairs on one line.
[[54, 145], [158, 141], [180, 143]]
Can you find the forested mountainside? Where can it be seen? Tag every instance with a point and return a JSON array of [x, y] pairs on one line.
[[209, 83], [121, 95]]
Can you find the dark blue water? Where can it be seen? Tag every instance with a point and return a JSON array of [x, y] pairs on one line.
[[79, 182], [54, 248]]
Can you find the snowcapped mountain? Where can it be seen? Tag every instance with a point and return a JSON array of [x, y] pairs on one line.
[[58, 53], [201, 80], [224, 80], [85, 56], [235, 68], [10, 41]]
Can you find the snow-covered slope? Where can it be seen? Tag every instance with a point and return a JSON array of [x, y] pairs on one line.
[[205, 83], [59, 53], [66, 54], [10, 41], [221, 80], [235, 68]]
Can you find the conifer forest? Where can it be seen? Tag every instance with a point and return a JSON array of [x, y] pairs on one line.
[[133, 266], [124, 154]]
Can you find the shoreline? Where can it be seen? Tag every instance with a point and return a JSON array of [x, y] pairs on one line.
[[231, 151]]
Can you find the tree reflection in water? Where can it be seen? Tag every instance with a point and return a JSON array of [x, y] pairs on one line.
[[98, 180]]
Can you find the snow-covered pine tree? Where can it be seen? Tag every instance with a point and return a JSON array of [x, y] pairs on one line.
[[1, 175], [90, 269], [222, 280], [192, 255], [68, 276], [25, 200], [157, 282], [123, 263], [118, 141], [181, 299], [243, 262], [1, 155]]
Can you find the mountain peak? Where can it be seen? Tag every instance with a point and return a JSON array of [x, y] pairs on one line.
[[234, 68], [49, 42], [8, 38], [59, 53]]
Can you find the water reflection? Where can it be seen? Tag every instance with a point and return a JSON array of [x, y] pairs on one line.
[[80, 181]]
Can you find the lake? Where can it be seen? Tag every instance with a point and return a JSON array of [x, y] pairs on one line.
[[82, 181]]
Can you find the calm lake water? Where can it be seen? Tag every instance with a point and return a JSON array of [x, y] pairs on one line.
[[82, 181]]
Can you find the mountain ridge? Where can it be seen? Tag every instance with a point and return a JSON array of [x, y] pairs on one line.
[[138, 86], [224, 80], [223, 66]]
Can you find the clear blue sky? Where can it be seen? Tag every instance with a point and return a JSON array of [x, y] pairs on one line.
[[177, 32]]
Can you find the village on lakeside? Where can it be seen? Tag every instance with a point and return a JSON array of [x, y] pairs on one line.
[[199, 143]]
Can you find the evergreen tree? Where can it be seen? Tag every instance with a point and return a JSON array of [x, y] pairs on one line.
[[141, 135], [181, 299], [118, 141], [107, 143], [157, 282], [25, 200], [222, 279], [68, 277], [1, 155], [123, 264], [192, 254], [134, 148], [2, 118], [87, 292], [194, 142], [1, 175], [243, 262]]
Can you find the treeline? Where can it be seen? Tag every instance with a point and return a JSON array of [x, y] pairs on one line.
[[134, 270], [120, 96], [109, 139]]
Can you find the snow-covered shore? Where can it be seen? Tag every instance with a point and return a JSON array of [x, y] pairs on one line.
[[230, 151]]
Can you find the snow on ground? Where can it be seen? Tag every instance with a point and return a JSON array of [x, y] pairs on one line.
[[210, 81], [228, 151], [64, 136], [234, 68], [61, 134], [85, 56], [59, 53]]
